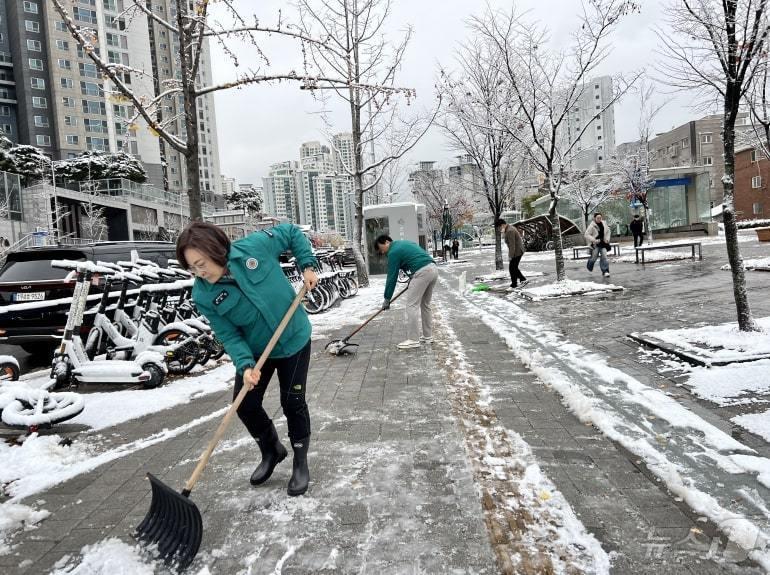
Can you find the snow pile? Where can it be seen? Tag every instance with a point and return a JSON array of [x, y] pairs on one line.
[[352, 310], [752, 264], [733, 384], [723, 343], [109, 557], [101, 411], [567, 288], [13, 517]]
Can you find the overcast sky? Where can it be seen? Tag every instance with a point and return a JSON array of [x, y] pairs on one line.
[[264, 124]]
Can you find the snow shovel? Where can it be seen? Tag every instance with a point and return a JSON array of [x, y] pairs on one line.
[[173, 521], [343, 346]]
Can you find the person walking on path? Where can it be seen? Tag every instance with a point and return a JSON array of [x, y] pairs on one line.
[[415, 261], [516, 250], [243, 292], [456, 249], [598, 236], [636, 230]]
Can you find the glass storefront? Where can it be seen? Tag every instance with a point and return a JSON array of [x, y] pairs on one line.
[[669, 206]]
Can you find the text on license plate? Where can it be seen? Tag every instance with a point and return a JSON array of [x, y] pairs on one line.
[[30, 296]]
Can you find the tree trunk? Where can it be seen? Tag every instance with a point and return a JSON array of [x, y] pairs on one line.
[[498, 249], [358, 186], [553, 215], [745, 320]]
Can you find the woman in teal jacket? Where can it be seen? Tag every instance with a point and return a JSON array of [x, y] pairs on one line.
[[243, 292]]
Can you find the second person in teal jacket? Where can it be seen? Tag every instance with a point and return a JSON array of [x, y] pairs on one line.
[[415, 261], [242, 290]]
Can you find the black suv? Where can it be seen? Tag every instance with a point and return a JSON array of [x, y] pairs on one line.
[[27, 276]]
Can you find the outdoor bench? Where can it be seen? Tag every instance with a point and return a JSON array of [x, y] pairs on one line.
[[577, 249], [691, 245], [763, 234]]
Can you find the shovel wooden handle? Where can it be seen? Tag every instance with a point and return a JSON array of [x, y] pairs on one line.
[[239, 398], [374, 315]]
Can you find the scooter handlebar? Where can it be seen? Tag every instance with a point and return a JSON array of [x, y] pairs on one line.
[[86, 266]]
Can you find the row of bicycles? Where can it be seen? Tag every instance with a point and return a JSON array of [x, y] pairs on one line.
[[334, 282]]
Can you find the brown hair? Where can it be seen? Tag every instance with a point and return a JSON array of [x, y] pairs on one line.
[[205, 237]]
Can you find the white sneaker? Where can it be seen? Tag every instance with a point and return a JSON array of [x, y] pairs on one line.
[[523, 283], [424, 339], [408, 344], [606, 274]]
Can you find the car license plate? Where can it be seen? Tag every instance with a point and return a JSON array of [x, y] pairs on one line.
[[30, 296]]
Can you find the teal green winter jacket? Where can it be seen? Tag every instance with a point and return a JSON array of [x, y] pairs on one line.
[[245, 308], [407, 256]]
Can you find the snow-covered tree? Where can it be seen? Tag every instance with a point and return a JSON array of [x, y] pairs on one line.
[[471, 104], [431, 187], [190, 31], [249, 200], [97, 165], [30, 163], [716, 49], [363, 65], [543, 85], [589, 191]]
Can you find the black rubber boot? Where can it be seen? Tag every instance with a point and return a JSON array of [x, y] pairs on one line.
[[300, 476], [273, 452]]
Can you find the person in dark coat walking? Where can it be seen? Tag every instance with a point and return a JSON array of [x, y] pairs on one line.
[[455, 249], [516, 249], [637, 229]]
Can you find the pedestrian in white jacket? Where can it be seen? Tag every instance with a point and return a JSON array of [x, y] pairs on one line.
[[598, 237]]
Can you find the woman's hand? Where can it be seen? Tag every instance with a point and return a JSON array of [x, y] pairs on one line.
[[251, 377], [311, 278]]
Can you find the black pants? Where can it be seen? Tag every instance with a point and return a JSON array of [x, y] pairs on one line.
[[455, 253], [638, 239], [513, 268], [292, 377]]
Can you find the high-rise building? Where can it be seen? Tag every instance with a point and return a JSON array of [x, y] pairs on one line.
[[281, 188], [592, 122], [166, 68]]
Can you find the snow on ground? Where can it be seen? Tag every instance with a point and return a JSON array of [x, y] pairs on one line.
[[504, 275], [41, 462], [567, 288], [109, 557], [733, 384], [757, 423], [751, 264], [657, 256], [101, 408], [719, 342], [14, 517], [676, 445], [550, 524], [352, 310]]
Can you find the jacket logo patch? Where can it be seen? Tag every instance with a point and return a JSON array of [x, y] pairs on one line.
[[221, 297], [252, 263]]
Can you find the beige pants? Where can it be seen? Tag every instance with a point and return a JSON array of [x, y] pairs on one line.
[[418, 298]]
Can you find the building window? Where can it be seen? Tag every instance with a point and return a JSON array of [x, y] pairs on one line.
[[99, 126], [60, 26], [708, 161], [34, 46], [72, 140], [62, 45], [5, 110], [83, 15], [66, 83], [756, 182], [705, 138], [757, 208], [68, 102], [35, 64], [685, 143], [90, 89], [99, 144], [753, 155], [43, 140], [30, 7], [41, 121], [70, 121], [37, 83], [88, 70], [39, 102], [64, 64], [31, 26], [91, 107]]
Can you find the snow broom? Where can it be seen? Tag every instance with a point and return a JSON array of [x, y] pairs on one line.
[[174, 522], [343, 346]]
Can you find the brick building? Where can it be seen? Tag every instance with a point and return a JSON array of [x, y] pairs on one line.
[[752, 178]]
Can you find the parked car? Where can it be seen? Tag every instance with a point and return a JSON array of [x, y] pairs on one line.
[[27, 277]]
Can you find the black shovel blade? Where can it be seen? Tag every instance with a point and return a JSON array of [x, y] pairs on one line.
[[173, 523]]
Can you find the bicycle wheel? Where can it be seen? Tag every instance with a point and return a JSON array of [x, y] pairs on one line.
[[36, 407], [9, 371], [314, 301], [217, 349], [186, 352], [352, 285], [342, 287]]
